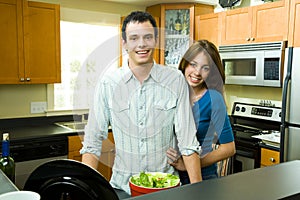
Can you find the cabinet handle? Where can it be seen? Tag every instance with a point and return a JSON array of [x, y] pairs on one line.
[[247, 39], [27, 79], [22, 79], [252, 39], [272, 160]]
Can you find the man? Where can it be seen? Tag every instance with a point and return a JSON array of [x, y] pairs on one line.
[[143, 102]]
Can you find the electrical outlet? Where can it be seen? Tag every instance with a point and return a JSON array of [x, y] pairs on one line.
[[38, 107]]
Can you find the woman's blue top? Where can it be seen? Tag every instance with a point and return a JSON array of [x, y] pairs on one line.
[[213, 125]]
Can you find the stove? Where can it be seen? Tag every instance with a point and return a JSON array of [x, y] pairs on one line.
[[248, 120]]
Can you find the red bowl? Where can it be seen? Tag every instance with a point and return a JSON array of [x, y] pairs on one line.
[[137, 190]]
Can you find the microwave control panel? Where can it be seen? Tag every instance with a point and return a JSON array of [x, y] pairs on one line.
[[271, 69]]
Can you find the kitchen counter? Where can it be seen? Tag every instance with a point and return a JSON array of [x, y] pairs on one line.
[[36, 127], [6, 184], [275, 182]]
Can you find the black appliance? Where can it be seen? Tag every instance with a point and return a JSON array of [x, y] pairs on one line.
[[248, 120]]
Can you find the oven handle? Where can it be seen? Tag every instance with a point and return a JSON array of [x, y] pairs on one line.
[[246, 127]]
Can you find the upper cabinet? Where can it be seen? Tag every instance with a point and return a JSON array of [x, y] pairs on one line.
[[294, 30], [30, 45], [176, 22], [263, 23], [207, 27]]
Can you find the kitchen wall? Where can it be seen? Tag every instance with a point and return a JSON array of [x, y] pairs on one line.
[[234, 92]]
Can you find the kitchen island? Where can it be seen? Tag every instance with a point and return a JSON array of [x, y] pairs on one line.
[[275, 182]]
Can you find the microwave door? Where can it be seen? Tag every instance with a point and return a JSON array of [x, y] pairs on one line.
[[242, 68]]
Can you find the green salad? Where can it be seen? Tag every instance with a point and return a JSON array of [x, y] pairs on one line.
[[155, 180]]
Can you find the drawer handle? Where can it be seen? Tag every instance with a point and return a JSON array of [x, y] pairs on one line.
[[272, 160]]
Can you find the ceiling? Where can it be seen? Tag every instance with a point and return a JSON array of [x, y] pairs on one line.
[[153, 2]]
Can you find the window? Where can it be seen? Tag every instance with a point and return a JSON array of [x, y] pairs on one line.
[[87, 50]]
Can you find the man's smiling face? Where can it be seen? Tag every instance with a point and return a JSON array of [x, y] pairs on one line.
[[140, 42]]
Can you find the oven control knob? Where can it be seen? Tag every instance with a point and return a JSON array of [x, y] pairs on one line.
[[243, 109], [237, 109]]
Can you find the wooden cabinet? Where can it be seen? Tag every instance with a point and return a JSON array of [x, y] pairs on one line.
[[264, 23], [30, 45], [74, 145], [269, 157], [176, 22], [107, 154], [208, 27], [294, 28]]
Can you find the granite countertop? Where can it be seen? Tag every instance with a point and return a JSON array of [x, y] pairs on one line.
[[36, 127], [279, 181]]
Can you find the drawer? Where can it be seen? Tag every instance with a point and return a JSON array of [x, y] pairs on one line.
[[269, 157]]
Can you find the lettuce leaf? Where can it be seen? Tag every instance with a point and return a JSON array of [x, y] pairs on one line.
[[155, 180]]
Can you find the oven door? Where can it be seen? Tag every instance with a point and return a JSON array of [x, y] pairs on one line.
[[243, 68]]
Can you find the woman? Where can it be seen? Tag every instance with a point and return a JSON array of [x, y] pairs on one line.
[[203, 70]]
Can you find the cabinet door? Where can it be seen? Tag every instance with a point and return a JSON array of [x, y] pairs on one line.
[[74, 145], [11, 43], [107, 157], [236, 26], [269, 157], [270, 22], [107, 154], [177, 32], [294, 28], [42, 42], [207, 27]]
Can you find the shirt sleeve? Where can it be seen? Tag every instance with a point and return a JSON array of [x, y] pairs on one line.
[[185, 128], [220, 118], [96, 129]]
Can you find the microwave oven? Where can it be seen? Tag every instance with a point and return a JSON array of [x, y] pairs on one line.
[[257, 64]]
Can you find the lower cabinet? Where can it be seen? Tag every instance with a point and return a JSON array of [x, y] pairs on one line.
[[269, 157], [107, 154]]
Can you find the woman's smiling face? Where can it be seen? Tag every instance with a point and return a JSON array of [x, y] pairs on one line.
[[140, 43], [197, 70]]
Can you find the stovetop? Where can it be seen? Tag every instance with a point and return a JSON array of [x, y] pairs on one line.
[[256, 112]]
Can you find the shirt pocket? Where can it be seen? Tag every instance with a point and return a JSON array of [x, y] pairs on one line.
[[164, 111], [119, 114]]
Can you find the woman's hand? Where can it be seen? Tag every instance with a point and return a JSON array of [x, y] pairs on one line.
[[175, 159]]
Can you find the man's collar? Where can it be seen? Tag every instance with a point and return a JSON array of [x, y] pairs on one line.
[[128, 73]]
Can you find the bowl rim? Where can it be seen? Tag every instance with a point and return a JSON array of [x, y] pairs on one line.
[[35, 194], [152, 188]]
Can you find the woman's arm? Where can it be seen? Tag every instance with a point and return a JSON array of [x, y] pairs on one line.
[[222, 152]]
